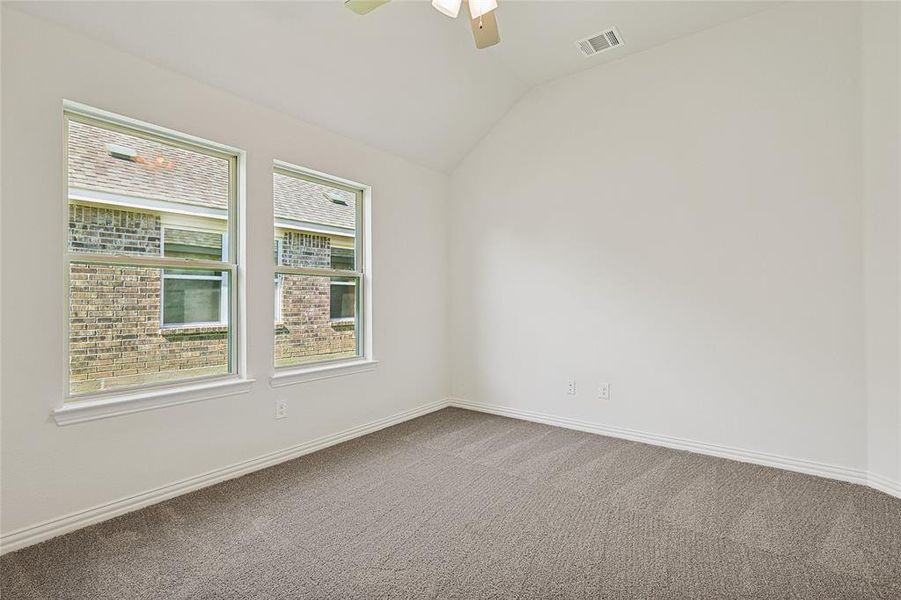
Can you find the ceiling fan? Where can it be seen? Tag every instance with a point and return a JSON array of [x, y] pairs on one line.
[[482, 18]]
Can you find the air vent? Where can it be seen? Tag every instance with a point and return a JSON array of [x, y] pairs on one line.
[[606, 40], [335, 197], [121, 152]]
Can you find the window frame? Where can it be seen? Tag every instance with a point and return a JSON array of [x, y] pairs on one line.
[[362, 273], [82, 406], [278, 280]]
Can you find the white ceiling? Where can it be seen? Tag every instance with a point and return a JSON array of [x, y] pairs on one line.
[[404, 78]]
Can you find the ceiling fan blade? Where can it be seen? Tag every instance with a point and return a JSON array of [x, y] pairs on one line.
[[484, 30], [361, 7]]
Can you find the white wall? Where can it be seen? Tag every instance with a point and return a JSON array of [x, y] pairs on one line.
[[709, 226], [50, 471], [881, 71], [685, 224]]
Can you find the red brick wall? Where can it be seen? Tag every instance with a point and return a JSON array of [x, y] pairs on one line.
[[305, 332], [116, 336]]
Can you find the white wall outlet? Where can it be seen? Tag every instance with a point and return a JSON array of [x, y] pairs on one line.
[[571, 387], [281, 409], [604, 391]]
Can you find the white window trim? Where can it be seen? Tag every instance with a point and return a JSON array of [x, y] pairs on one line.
[[322, 370], [76, 408], [305, 226], [278, 280], [103, 407], [290, 375]]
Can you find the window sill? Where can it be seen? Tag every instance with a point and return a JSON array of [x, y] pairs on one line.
[[102, 407], [183, 330], [323, 371]]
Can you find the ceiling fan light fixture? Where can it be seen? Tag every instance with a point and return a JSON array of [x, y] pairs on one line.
[[477, 8], [448, 7]]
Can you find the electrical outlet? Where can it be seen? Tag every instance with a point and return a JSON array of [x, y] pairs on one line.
[[571, 387], [281, 409], [604, 391]]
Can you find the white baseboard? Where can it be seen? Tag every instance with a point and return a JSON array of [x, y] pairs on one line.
[[809, 467], [884, 484], [34, 534]]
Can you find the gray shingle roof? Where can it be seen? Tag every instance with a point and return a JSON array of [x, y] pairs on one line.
[[169, 173], [307, 201]]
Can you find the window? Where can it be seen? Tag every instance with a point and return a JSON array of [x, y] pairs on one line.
[[194, 298], [343, 297], [318, 267], [342, 259], [151, 272], [343, 293]]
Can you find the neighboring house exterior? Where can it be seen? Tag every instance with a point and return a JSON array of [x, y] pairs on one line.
[[133, 196]]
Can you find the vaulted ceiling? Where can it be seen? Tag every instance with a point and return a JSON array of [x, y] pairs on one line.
[[404, 78]]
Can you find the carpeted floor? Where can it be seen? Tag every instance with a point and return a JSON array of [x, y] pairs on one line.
[[459, 504]]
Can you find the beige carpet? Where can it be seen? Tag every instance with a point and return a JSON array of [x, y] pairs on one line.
[[458, 504]]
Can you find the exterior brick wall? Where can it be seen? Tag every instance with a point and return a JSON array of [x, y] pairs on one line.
[[114, 312], [115, 333], [112, 231], [306, 250], [306, 332]]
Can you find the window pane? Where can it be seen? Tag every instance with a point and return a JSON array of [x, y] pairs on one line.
[[116, 338], [191, 300], [343, 298], [299, 200], [312, 250], [187, 243], [192, 297], [316, 227], [306, 332], [342, 259], [121, 184], [315, 223]]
